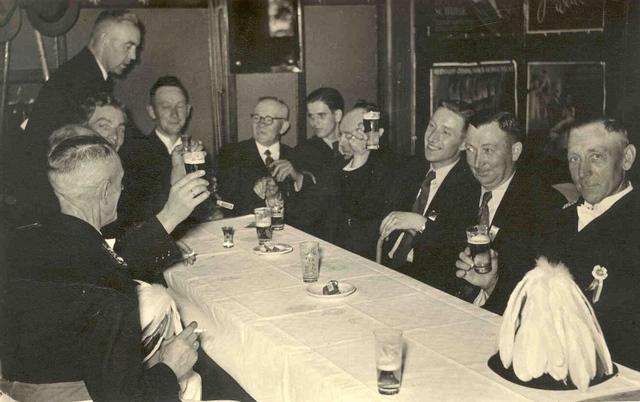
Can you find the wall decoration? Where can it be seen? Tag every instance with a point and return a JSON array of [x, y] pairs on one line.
[[486, 85], [470, 16], [543, 16], [265, 36], [558, 93]]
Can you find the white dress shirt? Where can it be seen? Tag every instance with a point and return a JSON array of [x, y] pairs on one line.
[[167, 141], [497, 194], [587, 212], [441, 174], [273, 148]]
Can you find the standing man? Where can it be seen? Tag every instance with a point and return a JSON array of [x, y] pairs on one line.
[[432, 202], [515, 205], [112, 47], [325, 109], [600, 229], [245, 163]]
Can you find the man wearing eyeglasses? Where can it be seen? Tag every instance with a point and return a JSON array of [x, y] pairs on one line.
[[242, 165]]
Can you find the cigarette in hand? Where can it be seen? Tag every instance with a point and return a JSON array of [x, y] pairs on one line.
[[199, 330]]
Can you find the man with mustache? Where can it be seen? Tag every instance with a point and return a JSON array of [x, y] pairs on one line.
[[112, 47]]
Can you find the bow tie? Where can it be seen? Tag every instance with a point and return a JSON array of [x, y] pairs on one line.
[[586, 214]]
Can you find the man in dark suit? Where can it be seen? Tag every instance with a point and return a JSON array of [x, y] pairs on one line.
[[431, 202], [514, 205], [154, 162], [74, 316], [244, 164], [325, 109], [112, 47], [148, 160], [597, 236]]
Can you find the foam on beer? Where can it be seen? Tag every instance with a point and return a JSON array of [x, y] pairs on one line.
[[194, 158], [480, 238]]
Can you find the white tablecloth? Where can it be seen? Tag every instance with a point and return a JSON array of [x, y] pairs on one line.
[[281, 344]]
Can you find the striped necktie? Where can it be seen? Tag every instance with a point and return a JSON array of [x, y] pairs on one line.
[[406, 243]]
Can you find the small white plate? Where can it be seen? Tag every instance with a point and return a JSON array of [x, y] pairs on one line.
[[346, 289], [281, 249]]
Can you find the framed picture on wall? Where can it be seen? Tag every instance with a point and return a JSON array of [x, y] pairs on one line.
[[265, 36], [558, 93], [485, 85], [475, 16], [543, 16]]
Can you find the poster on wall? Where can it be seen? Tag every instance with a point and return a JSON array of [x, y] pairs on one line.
[[265, 36], [485, 85], [469, 16], [542, 16], [558, 93]]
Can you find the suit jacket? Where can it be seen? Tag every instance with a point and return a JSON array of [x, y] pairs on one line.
[[147, 178], [611, 241], [56, 105], [528, 206], [360, 205], [317, 157], [437, 247], [240, 166], [74, 313]]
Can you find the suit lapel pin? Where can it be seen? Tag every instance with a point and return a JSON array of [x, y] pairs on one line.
[[599, 274]]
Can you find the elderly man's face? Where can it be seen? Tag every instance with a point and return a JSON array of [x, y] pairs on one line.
[[323, 121], [169, 110], [490, 154], [353, 139], [121, 43], [108, 121], [597, 161], [444, 138], [269, 120]]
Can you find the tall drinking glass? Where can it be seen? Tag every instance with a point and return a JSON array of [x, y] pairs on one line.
[[263, 224], [389, 348], [310, 260], [479, 243]]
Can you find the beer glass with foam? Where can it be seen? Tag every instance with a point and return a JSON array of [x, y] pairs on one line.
[[479, 243]]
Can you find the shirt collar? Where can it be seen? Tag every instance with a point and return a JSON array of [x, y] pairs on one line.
[[105, 75], [328, 142], [498, 192], [167, 141], [442, 172], [608, 202], [273, 148]]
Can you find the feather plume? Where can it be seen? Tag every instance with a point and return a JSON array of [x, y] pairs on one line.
[[550, 327]]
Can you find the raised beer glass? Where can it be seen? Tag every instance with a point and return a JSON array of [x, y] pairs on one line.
[[263, 224], [479, 243]]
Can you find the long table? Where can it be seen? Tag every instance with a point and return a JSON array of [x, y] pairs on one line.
[[282, 344]]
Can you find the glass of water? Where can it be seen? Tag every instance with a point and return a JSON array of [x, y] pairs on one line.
[[389, 354]]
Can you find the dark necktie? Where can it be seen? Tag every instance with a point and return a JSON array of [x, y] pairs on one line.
[[334, 148], [268, 160], [483, 211], [406, 243]]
